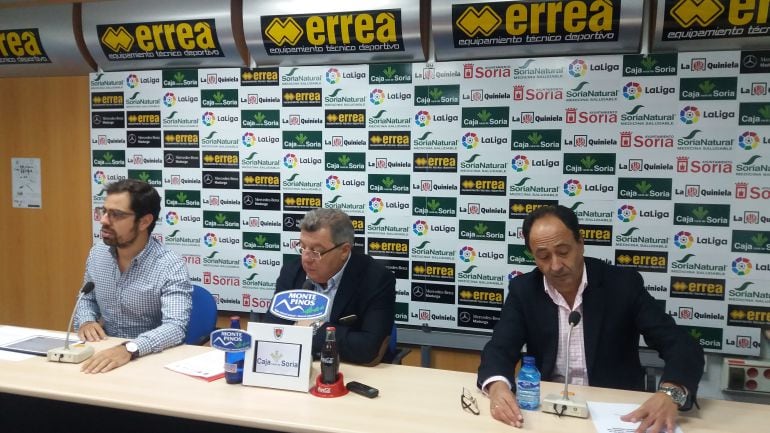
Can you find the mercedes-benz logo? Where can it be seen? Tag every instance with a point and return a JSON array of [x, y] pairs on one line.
[[750, 61], [248, 200], [288, 222], [131, 138], [169, 158], [97, 119], [208, 179], [417, 291], [465, 317]]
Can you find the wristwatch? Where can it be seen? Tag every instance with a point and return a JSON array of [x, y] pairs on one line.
[[132, 348], [676, 393]]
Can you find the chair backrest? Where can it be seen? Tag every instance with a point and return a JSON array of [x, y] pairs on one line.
[[203, 316], [393, 354]]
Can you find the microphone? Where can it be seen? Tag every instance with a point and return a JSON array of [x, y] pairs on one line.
[[79, 352], [307, 285], [562, 405]]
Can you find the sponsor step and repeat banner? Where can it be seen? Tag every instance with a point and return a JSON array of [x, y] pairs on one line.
[[665, 159]]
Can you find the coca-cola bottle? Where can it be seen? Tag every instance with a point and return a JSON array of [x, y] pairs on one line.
[[330, 358]]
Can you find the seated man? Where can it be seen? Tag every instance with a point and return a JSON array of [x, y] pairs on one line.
[[604, 352], [362, 291], [142, 290]]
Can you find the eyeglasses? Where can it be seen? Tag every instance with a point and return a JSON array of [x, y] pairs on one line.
[[317, 255], [469, 402], [112, 214]]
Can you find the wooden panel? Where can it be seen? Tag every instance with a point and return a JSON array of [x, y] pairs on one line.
[[43, 251]]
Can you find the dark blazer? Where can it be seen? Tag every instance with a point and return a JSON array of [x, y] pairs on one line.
[[368, 290], [616, 310]]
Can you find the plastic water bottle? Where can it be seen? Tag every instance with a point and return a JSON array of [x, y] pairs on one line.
[[528, 385], [234, 360]]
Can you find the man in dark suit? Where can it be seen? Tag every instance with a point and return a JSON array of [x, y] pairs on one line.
[[362, 290], [615, 308]]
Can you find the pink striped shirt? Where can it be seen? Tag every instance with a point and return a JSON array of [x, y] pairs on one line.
[[577, 350]]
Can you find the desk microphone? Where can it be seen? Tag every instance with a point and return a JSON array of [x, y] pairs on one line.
[[307, 285], [78, 352], [562, 405]]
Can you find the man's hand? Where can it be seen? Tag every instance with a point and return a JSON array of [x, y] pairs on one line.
[[658, 414], [503, 405], [91, 331], [106, 360]]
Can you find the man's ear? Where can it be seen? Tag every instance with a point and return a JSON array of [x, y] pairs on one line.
[[145, 221]]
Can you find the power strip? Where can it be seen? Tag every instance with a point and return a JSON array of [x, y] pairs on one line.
[[746, 375]]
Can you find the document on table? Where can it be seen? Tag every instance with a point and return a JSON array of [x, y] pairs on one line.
[[208, 366], [606, 417]]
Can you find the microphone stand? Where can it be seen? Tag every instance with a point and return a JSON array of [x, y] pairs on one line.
[[561, 404]]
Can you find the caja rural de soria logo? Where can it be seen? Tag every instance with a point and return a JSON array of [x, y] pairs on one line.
[[683, 240], [626, 213]]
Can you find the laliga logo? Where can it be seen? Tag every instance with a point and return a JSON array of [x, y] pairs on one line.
[[741, 266], [577, 68], [290, 160], [377, 96], [467, 254], [420, 227], [689, 115], [683, 240], [333, 183], [748, 140], [376, 205], [519, 163], [470, 140], [422, 118], [333, 76], [626, 213], [250, 261], [132, 81], [210, 239], [172, 218], [169, 99], [572, 187], [208, 118], [248, 139], [632, 91], [100, 178]]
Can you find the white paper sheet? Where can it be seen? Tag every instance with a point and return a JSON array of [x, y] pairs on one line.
[[208, 366], [606, 417]]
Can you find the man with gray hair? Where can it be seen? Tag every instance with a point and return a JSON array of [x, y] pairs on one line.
[[362, 291]]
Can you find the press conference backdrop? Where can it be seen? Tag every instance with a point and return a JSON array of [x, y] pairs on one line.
[[665, 159]]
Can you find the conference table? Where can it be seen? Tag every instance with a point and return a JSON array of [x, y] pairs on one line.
[[412, 399]]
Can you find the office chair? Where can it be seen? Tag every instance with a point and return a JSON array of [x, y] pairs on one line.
[[394, 355], [203, 316]]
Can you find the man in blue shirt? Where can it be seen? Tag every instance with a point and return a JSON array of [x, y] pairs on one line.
[[142, 290]]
